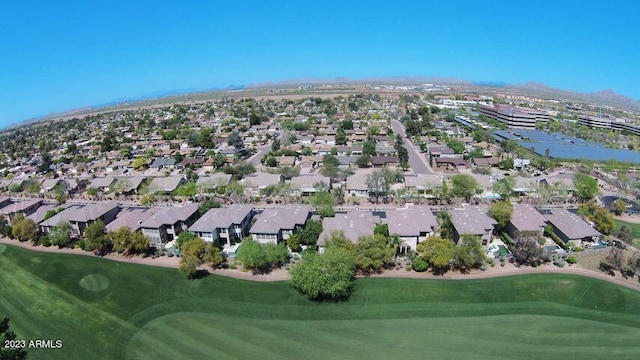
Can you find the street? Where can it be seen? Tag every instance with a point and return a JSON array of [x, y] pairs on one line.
[[418, 161]]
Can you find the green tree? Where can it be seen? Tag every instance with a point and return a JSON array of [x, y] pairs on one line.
[[127, 241], [363, 160], [619, 207], [501, 212], [277, 254], [379, 182], [372, 253], [586, 186], [504, 187], [323, 202], [438, 252], [341, 137], [6, 336], [94, 236], [310, 233], [189, 266], [92, 191], [456, 145], [60, 236], [139, 164], [212, 255], [369, 148], [25, 229], [234, 139], [252, 256], [506, 164], [293, 242], [327, 276], [183, 237], [207, 205], [469, 253], [464, 185], [603, 221], [381, 229]]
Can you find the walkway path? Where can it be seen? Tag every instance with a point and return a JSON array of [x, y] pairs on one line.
[[282, 274]]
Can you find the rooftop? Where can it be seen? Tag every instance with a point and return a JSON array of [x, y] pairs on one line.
[[221, 218], [472, 220], [526, 218], [272, 220], [131, 218], [411, 221], [571, 224], [169, 215], [354, 225]]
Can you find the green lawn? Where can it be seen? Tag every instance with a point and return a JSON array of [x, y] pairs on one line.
[[635, 231], [103, 309]]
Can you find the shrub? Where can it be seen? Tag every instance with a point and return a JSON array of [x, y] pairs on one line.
[[572, 260], [420, 265], [577, 249]]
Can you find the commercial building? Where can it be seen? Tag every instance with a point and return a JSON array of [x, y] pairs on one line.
[[515, 117]]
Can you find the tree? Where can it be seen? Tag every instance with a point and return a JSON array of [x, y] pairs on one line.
[[381, 229], [506, 164], [403, 155], [311, 232], [125, 240], [616, 258], [183, 237], [327, 276], [619, 207], [603, 221], [379, 182], [501, 212], [464, 185], [341, 137], [438, 252], [586, 186], [293, 242], [94, 236], [369, 148], [323, 202], [7, 336], [469, 253], [92, 191], [528, 251], [447, 230], [504, 187], [372, 253], [189, 266], [363, 160], [139, 164], [634, 261], [624, 234], [60, 236], [207, 205], [252, 256], [212, 255], [25, 229], [276, 254], [456, 145], [234, 139], [195, 247]]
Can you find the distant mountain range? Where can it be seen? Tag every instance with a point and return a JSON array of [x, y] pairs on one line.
[[607, 96]]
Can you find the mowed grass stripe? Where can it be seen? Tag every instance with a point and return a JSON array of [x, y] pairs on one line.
[[148, 312], [523, 336], [54, 314]]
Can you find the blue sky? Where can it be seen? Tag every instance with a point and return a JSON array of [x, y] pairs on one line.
[[58, 55]]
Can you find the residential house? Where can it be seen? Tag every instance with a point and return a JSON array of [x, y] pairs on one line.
[[474, 221], [48, 185], [130, 217], [570, 228], [353, 225], [305, 185], [357, 184], [167, 184], [255, 182], [162, 163], [212, 182], [382, 161], [80, 216], [129, 184], [277, 224], [41, 212], [23, 208], [423, 184], [224, 225], [525, 222], [167, 223], [413, 224], [103, 184]]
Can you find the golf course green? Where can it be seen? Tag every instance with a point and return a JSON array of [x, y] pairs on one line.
[[102, 309]]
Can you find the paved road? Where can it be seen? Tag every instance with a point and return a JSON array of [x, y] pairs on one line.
[[418, 161], [262, 151]]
